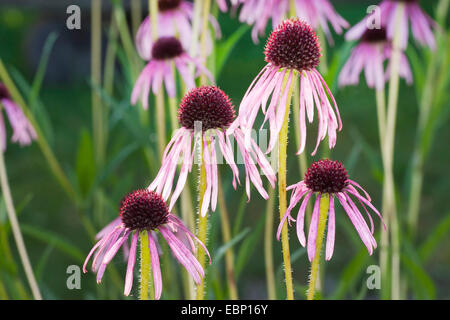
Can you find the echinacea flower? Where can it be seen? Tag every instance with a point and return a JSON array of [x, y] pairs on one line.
[[145, 211], [318, 13], [204, 115], [256, 13], [292, 51], [23, 131], [222, 4], [165, 51], [329, 177], [369, 55], [421, 23], [174, 19]]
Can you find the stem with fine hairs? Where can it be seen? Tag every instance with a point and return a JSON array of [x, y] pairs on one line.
[[202, 226], [282, 164], [146, 279], [268, 245], [16, 230]]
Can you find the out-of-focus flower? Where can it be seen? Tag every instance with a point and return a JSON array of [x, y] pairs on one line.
[[23, 131], [204, 115], [318, 13], [165, 51], [223, 4], [292, 51], [329, 177], [421, 23], [369, 55], [145, 211], [174, 20]]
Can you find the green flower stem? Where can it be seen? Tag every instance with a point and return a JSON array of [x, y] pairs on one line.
[[202, 227], [323, 214], [268, 245], [384, 241], [136, 15], [159, 98], [282, 164], [16, 230], [205, 18], [226, 234], [96, 70], [389, 205], [146, 269]]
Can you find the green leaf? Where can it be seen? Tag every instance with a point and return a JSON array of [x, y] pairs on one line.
[[59, 243], [222, 249], [223, 49], [422, 283], [417, 69], [42, 67], [247, 249], [350, 274], [110, 166], [85, 163], [436, 237]]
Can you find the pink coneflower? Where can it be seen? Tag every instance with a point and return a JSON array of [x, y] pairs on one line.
[[318, 13], [329, 177], [369, 55], [421, 23], [23, 131], [222, 4], [204, 115], [292, 51], [165, 51], [146, 211], [174, 19]]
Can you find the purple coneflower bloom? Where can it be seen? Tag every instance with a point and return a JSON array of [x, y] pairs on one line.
[[165, 51], [223, 4], [369, 55], [318, 13], [174, 19], [145, 211], [23, 131], [204, 115], [421, 23], [292, 51], [326, 176]]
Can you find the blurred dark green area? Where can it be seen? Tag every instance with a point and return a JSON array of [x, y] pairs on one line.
[[66, 94]]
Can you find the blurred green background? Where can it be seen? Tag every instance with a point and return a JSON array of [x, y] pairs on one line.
[[51, 224]]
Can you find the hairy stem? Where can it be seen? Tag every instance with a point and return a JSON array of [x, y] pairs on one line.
[[202, 226], [268, 245], [282, 169], [146, 269]]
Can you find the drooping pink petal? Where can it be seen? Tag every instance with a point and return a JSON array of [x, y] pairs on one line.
[[331, 231], [313, 229], [130, 266]]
